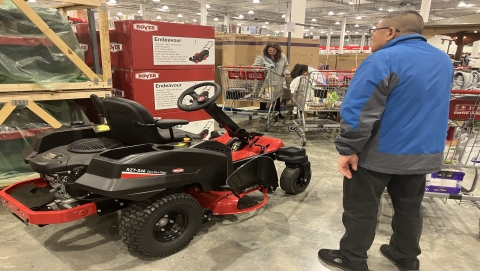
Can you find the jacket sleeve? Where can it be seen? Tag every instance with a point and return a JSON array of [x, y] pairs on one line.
[[259, 61], [364, 103], [286, 67]]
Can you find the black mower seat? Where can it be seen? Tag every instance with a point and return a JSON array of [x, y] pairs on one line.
[[132, 124]]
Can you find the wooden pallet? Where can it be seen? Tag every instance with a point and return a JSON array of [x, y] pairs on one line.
[[101, 84]]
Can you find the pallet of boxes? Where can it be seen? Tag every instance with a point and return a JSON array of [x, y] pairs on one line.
[[42, 74]]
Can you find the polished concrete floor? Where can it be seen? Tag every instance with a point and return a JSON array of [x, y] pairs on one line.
[[284, 235]]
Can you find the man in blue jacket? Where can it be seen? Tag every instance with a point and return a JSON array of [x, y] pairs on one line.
[[393, 132]]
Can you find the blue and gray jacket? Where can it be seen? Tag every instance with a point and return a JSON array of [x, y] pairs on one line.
[[395, 112]]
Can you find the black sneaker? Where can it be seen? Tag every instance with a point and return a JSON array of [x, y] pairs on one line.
[[404, 264], [335, 258]]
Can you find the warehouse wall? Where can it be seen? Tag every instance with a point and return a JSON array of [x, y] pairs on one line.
[[437, 42]]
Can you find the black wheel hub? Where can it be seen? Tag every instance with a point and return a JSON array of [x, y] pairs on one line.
[[301, 181], [170, 227]]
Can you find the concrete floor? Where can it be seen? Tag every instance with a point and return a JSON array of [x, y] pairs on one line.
[[284, 235]]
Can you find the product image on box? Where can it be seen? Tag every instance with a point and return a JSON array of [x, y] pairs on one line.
[[203, 55]]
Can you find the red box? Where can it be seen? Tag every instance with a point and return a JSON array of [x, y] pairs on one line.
[[158, 90], [148, 45], [83, 37]]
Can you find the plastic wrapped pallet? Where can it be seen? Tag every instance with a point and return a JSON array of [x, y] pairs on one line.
[[28, 56]]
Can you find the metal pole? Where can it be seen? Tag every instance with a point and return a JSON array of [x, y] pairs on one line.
[[93, 39], [289, 44]]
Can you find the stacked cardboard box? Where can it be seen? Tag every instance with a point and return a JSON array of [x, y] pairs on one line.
[[349, 61], [154, 62]]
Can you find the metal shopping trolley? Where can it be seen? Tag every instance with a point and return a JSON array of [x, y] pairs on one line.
[[252, 84], [319, 93], [462, 151]]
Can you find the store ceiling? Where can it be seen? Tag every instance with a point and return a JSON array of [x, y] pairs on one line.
[[271, 11]]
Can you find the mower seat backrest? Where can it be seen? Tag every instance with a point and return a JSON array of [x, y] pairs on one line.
[[130, 122], [97, 103]]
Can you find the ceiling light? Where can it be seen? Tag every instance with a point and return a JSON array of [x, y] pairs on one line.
[[358, 17], [356, 25], [337, 22], [207, 6], [256, 1], [159, 17], [216, 19], [119, 14], [311, 33], [264, 26], [380, 8], [475, 31], [314, 20], [283, 16], [277, 31], [322, 32], [282, 31], [341, 13], [331, 32], [110, 2], [239, 24], [32, 1], [374, 27], [179, 16], [461, 4], [347, 31], [139, 11], [240, 16], [266, 22], [194, 20], [356, 32], [251, 12], [165, 7], [156, 0], [351, 3], [311, 27], [331, 13]]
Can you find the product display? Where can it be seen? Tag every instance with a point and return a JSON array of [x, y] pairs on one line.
[[28, 56], [466, 80]]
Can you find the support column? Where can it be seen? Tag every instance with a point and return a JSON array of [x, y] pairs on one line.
[[329, 40], [226, 22], [203, 12], [287, 19], [297, 15], [476, 49], [362, 42], [342, 34], [460, 43], [425, 9]]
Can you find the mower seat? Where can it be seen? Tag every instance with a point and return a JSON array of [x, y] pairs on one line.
[[132, 124]]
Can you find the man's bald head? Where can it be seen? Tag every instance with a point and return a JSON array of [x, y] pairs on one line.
[[407, 21]]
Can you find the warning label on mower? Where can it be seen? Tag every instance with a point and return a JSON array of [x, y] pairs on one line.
[[183, 51], [167, 93]]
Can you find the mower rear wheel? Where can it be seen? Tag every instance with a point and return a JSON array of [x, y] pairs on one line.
[[294, 180], [161, 226]]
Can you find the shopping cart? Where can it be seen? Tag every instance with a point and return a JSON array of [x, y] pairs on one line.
[[321, 92], [251, 84], [462, 151]]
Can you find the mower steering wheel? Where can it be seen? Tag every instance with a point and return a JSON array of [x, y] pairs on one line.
[[199, 101]]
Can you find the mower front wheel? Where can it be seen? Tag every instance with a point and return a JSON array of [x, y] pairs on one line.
[[161, 226], [294, 180]]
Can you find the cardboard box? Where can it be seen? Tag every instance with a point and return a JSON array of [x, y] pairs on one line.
[[346, 62], [238, 50], [149, 45], [449, 182], [158, 90], [361, 58]]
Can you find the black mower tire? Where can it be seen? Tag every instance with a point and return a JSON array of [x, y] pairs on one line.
[[294, 181], [140, 219]]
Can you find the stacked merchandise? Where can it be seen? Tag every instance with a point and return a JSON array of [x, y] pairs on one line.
[[466, 80], [154, 62]]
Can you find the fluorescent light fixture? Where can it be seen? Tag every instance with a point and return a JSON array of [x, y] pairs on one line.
[[283, 16], [331, 13], [351, 3], [356, 25], [194, 20], [179, 15], [311, 27], [266, 22], [216, 19], [32, 1], [264, 26], [322, 32], [256, 1], [119, 13], [251, 12], [311, 33], [380, 8], [283, 31], [159, 17], [347, 31], [207, 6], [156, 0], [356, 32], [337, 22], [314, 20], [165, 7], [331, 32], [374, 27], [470, 5], [359, 17], [110, 2], [461, 4], [239, 24], [240, 16], [139, 11]]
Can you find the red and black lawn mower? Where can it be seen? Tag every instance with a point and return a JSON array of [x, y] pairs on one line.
[[165, 184], [203, 55]]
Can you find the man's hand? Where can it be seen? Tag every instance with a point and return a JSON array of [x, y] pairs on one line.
[[344, 163], [287, 74]]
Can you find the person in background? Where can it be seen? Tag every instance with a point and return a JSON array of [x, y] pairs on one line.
[[273, 58], [394, 121]]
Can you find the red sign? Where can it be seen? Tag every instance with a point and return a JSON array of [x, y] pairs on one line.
[[355, 47], [462, 109]]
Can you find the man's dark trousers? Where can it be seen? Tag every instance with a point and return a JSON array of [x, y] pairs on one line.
[[361, 198]]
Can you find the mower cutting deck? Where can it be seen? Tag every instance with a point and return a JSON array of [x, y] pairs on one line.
[[164, 187]]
